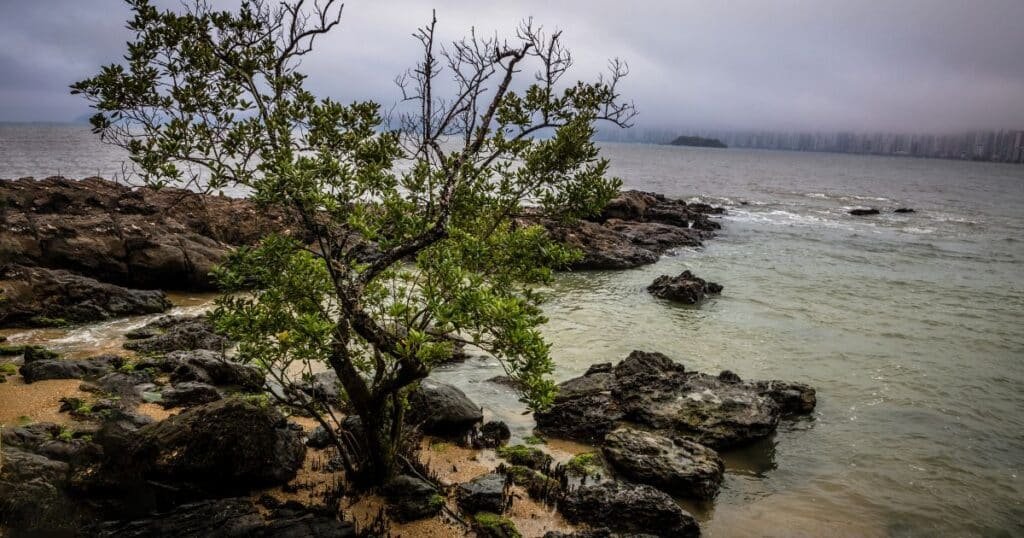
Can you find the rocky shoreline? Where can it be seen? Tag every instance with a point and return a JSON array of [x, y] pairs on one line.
[[172, 437]]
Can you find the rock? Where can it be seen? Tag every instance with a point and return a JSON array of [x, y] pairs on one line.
[[630, 205], [493, 434], [178, 333], [324, 387], [228, 445], [37, 353], [680, 467], [602, 247], [507, 381], [589, 533], [34, 295], [685, 288], [863, 212], [651, 390], [205, 366], [485, 493], [144, 238], [489, 525], [39, 370], [189, 394], [229, 518], [410, 499], [538, 485], [33, 494], [903, 210], [654, 391], [128, 386], [792, 398], [318, 438], [442, 409], [628, 508], [527, 456], [657, 237]]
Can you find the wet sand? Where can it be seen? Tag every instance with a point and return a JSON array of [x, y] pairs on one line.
[[22, 403]]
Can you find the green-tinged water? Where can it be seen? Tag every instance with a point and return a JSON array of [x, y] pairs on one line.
[[909, 326]]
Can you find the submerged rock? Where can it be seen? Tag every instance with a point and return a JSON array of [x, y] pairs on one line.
[[628, 508], [860, 212], [680, 467], [442, 409], [685, 288], [904, 210], [35, 296]]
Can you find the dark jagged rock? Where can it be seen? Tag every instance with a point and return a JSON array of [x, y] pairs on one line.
[[651, 390], [903, 210], [493, 434], [211, 367], [189, 394], [410, 499], [602, 247], [685, 288], [178, 333], [228, 445], [145, 238], [860, 212], [680, 467], [229, 518], [628, 508], [33, 495], [485, 493], [792, 398], [34, 295], [442, 409], [39, 370], [657, 237]]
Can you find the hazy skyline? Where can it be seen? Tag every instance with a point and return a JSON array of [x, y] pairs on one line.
[[909, 66]]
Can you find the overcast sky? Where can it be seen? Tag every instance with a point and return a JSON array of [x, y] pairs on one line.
[[899, 65]]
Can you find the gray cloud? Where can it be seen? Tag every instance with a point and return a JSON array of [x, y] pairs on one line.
[[913, 65]]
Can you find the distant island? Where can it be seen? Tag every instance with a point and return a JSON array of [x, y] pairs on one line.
[[698, 142]]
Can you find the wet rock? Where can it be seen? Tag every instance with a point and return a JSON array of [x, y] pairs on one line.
[[493, 434], [33, 295], [442, 409], [527, 456], [178, 333], [685, 288], [792, 398], [601, 247], [485, 493], [229, 518], [680, 467], [657, 237], [228, 445], [860, 212], [33, 494], [127, 386], [410, 499], [490, 525], [630, 205], [39, 370], [189, 394], [37, 353], [144, 238], [628, 508], [211, 367], [30, 436], [538, 485], [584, 418], [507, 381], [903, 210], [324, 388]]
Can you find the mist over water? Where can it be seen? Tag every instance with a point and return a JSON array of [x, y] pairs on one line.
[[909, 326]]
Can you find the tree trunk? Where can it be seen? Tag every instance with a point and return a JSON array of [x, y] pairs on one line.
[[382, 438]]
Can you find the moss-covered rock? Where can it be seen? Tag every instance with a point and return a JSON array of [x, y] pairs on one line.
[[488, 525]]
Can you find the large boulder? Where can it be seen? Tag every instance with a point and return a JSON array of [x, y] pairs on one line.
[[628, 508], [137, 237], [211, 367], [685, 288], [33, 494], [176, 333], [236, 517], [583, 409], [680, 467], [39, 370], [442, 409], [228, 445], [34, 296], [601, 246]]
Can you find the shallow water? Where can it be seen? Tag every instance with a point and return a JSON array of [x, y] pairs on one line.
[[908, 325]]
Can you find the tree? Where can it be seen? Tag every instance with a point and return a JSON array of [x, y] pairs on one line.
[[411, 239]]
